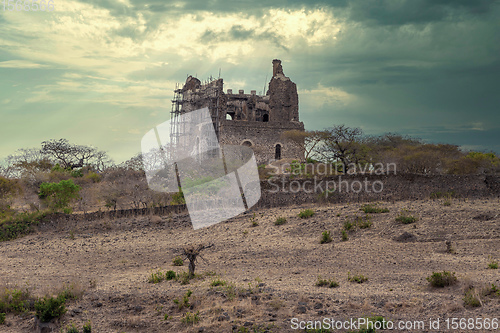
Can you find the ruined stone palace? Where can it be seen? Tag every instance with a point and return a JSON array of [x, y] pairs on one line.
[[248, 119]]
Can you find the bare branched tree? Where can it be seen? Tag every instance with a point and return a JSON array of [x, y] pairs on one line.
[[192, 253], [75, 156]]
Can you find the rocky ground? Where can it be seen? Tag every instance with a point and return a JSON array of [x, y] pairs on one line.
[[270, 270]]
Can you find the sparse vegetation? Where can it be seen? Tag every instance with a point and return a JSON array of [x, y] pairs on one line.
[[493, 265], [184, 303], [156, 277], [87, 327], [218, 282], [405, 217], [345, 237], [72, 329], [356, 278], [372, 209], [280, 221], [326, 237], [326, 283], [307, 213], [191, 318], [471, 299], [2, 318], [442, 279], [177, 261]]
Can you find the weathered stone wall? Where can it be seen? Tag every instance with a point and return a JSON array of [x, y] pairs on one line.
[[283, 191], [263, 138]]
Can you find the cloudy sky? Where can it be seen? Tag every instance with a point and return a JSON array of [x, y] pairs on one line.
[[102, 72]]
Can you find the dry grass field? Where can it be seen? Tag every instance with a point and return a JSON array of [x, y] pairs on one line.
[[260, 275]]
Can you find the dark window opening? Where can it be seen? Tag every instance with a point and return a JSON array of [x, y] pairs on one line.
[[265, 118], [247, 144], [277, 154]]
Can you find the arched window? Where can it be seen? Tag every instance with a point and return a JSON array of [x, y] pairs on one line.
[[229, 116], [277, 154], [247, 143], [265, 118]]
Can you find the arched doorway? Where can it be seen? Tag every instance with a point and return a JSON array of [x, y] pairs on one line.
[[265, 118], [277, 154], [247, 143]]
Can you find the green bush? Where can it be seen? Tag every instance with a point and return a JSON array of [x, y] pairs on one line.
[[178, 198], [156, 277], [280, 221], [48, 308], [87, 328], [326, 237], [59, 195], [345, 237], [443, 279], [348, 225], [19, 225], [2, 318], [170, 275], [405, 217], [493, 265], [177, 261], [16, 301], [184, 303], [307, 213]]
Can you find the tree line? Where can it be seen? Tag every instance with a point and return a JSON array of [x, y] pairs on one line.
[[350, 147]]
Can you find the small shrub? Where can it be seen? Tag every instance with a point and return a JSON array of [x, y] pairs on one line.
[[15, 300], [493, 265], [326, 283], [59, 195], [440, 280], [254, 222], [170, 275], [177, 261], [48, 308], [184, 303], [356, 278], [156, 277], [87, 328], [2, 318], [307, 213], [470, 299], [191, 318], [345, 237], [178, 198], [447, 203], [165, 317], [364, 223], [405, 217], [326, 237], [348, 225], [280, 221], [372, 209]]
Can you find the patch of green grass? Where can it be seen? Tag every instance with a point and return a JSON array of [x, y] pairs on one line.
[[405, 217], [356, 278], [493, 265], [218, 282], [326, 283], [442, 279], [177, 261], [191, 318], [280, 221], [471, 299], [372, 209], [326, 237], [307, 213]]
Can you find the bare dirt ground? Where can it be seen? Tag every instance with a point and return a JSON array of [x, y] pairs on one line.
[[274, 268]]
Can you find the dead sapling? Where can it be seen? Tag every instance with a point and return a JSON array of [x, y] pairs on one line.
[[192, 253], [449, 247]]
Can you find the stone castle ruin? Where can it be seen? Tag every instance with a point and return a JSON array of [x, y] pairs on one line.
[[252, 120]]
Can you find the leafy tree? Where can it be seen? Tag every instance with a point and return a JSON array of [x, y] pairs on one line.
[[344, 144], [59, 195]]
